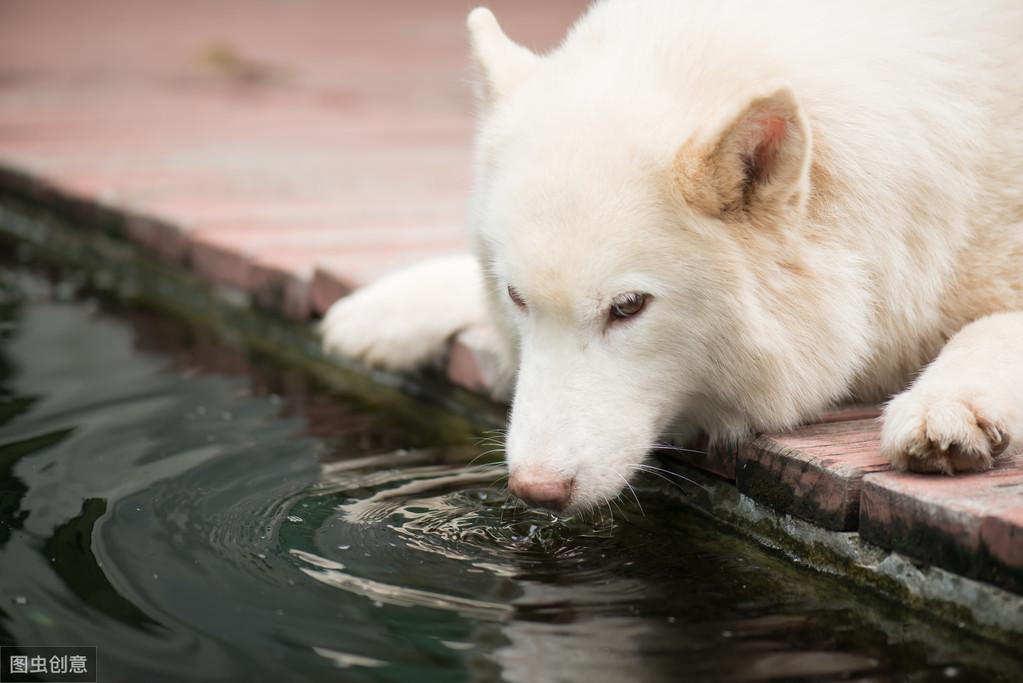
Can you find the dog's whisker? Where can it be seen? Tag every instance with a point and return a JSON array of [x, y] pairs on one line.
[[647, 466], [490, 451], [661, 472], [483, 467], [504, 508], [673, 483], [633, 490], [611, 521], [618, 504], [473, 461], [488, 443], [677, 449], [484, 454], [497, 470]]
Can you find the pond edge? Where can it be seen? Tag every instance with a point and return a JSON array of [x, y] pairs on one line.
[[66, 232]]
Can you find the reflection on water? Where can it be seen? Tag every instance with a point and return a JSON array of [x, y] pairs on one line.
[[200, 515]]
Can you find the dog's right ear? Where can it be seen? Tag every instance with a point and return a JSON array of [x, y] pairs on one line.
[[754, 164], [502, 63]]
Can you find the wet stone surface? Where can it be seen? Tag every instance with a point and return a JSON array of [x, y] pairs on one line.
[[199, 514], [970, 524]]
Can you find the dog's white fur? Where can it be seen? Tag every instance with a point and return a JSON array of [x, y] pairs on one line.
[[820, 199]]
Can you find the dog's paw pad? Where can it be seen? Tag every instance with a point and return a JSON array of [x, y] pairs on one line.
[[941, 435]]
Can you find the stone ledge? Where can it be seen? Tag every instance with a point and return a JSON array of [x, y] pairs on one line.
[[118, 267], [474, 364], [950, 597], [971, 524], [814, 472]]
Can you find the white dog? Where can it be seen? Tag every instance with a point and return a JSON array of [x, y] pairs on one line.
[[730, 216]]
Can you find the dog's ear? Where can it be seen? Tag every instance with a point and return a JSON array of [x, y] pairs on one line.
[[753, 165], [502, 63]]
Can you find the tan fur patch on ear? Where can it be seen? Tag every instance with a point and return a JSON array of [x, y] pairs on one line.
[[751, 165], [707, 182], [691, 172]]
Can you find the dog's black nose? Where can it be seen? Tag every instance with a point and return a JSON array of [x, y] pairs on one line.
[[542, 489]]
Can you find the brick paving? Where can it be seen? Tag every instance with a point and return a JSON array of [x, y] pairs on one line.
[[285, 139], [299, 149], [971, 524], [814, 472]]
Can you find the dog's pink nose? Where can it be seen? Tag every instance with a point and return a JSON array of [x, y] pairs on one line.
[[541, 489]]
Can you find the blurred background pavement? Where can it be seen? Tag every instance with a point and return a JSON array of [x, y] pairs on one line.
[[309, 145]]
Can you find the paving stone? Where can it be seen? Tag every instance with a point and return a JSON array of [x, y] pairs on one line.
[[721, 460], [221, 264], [851, 412], [355, 266], [474, 363], [814, 472], [164, 239], [281, 287], [327, 287], [339, 132], [971, 524]]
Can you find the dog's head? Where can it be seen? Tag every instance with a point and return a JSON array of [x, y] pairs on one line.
[[624, 239]]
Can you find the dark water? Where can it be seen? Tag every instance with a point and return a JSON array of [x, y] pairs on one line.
[[198, 514]]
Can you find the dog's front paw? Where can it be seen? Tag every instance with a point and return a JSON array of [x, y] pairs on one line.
[[405, 320], [381, 331], [938, 432]]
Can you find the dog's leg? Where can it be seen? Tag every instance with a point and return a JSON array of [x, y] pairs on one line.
[[966, 407], [404, 320]]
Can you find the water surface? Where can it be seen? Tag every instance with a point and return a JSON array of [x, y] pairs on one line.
[[200, 514]]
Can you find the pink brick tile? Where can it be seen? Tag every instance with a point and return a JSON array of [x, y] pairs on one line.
[[971, 524], [326, 288], [360, 266], [280, 288], [1002, 536], [474, 364], [347, 111], [276, 283], [166, 240], [221, 264], [814, 472], [851, 412], [334, 235]]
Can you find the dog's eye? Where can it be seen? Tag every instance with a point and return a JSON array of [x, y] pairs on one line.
[[516, 298], [627, 305]]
